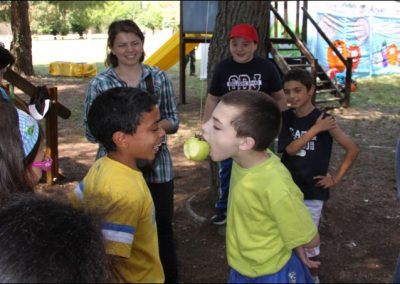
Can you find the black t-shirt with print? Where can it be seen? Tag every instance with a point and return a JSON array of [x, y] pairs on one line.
[[257, 75], [312, 160]]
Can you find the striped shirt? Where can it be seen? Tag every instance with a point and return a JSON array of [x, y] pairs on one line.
[[163, 171]]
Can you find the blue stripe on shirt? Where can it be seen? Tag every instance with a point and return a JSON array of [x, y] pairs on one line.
[[118, 233], [79, 190]]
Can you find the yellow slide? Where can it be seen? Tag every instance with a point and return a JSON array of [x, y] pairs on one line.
[[168, 54]]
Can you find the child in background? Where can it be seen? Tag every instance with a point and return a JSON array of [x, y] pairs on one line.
[[266, 217], [22, 158], [43, 241], [306, 143], [125, 121], [6, 60]]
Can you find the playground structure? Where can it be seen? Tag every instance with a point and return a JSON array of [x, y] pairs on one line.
[[51, 129], [287, 51], [168, 54]]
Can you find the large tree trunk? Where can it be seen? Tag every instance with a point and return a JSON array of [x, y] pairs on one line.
[[21, 44], [231, 13]]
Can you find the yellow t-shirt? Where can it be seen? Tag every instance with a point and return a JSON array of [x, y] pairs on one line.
[[121, 196], [266, 218]]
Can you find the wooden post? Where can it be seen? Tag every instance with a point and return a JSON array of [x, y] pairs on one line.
[[276, 21], [297, 17], [285, 16], [268, 37], [314, 70], [182, 43], [347, 86], [52, 136], [304, 27]]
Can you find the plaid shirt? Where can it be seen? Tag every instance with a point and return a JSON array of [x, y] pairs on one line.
[[163, 171]]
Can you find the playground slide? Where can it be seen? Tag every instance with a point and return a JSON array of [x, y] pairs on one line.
[[168, 54]]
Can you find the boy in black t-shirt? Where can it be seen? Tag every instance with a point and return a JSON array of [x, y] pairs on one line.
[[306, 143]]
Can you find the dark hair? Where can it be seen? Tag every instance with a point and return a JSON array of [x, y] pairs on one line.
[[118, 109], [260, 117], [44, 241], [301, 75], [13, 165], [125, 26], [6, 58]]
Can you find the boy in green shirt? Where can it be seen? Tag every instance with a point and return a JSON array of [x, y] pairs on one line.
[[266, 218]]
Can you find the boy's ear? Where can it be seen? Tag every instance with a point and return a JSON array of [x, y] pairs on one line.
[[119, 139], [247, 143]]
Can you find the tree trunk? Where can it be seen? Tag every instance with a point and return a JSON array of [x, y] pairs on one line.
[[21, 44], [231, 13]]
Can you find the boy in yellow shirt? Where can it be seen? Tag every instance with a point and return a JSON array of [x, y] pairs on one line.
[[125, 121], [266, 218]]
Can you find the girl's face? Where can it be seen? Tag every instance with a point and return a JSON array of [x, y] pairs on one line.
[[242, 50], [220, 133], [128, 48], [297, 94], [39, 165]]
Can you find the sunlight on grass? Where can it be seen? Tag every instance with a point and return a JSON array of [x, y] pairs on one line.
[[379, 91]]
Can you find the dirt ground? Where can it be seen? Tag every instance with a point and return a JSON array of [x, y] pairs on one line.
[[360, 230]]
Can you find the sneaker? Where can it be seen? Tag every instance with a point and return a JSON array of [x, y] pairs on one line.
[[219, 218]]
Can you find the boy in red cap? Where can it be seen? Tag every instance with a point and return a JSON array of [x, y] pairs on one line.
[[242, 71]]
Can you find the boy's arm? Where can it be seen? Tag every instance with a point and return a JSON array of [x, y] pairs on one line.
[[280, 99], [314, 242], [351, 154], [322, 124], [304, 259]]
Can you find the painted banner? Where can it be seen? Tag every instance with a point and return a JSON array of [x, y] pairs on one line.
[[368, 34]]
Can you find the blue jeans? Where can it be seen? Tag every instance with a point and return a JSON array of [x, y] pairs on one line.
[[225, 168], [294, 271]]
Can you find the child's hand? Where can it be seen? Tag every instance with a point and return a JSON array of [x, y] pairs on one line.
[[305, 260], [311, 263], [325, 123], [326, 181]]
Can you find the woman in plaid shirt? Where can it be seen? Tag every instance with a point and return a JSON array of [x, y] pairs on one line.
[[125, 57]]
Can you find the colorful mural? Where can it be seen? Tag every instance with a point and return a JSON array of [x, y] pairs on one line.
[[372, 41]]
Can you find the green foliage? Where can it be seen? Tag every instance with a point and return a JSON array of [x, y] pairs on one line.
[[60, 17], [111, 11], [47, 19], [5, 11], [80, 21], [151, 18]]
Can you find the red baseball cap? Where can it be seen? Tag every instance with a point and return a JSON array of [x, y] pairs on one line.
[[244, 30]]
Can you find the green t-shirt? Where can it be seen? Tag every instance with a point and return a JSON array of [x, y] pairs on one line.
[[266, 218]]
